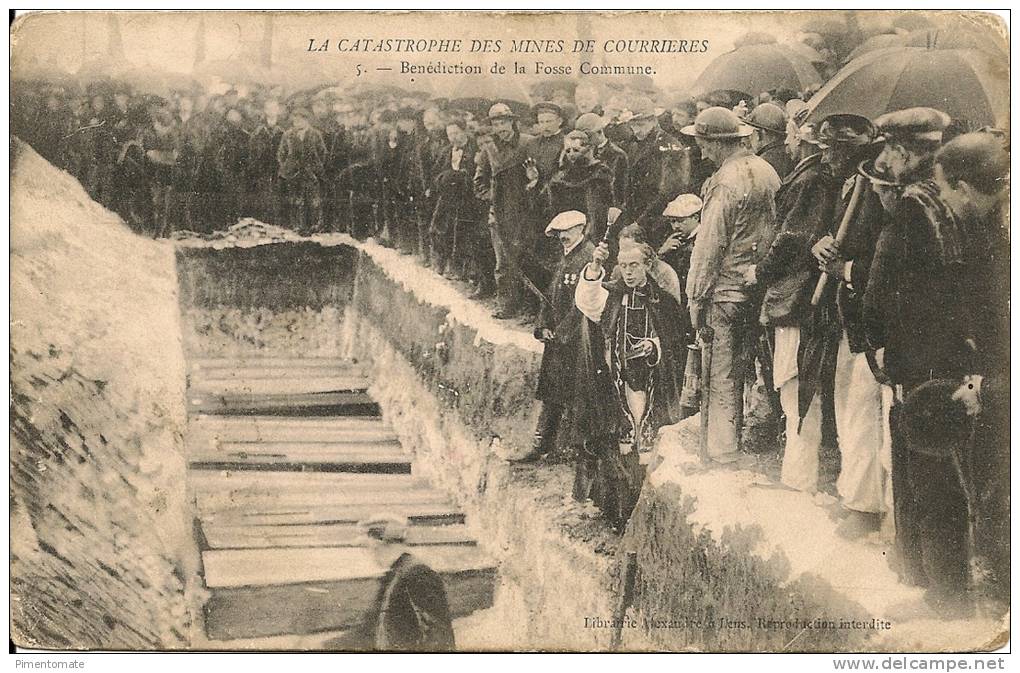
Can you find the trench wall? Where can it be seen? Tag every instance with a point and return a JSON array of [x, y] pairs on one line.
[[102, 552], [726, 562]]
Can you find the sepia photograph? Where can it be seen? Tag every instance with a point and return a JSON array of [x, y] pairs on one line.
[[510, 331]]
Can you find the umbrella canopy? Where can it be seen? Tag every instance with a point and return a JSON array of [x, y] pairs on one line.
[[756, 68], [810, 54], [967, 84], [884, 41]]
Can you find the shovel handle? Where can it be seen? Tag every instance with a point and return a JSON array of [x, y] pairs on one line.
[[844, 226]]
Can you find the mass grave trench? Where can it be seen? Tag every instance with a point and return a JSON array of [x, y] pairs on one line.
[[720, 563]]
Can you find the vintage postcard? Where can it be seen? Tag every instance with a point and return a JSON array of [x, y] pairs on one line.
[[430, 331]]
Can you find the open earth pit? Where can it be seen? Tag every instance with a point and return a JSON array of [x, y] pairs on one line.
[[103, 354]]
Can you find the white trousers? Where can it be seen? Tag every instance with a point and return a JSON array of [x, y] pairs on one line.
[[861, 424], [803, 440]]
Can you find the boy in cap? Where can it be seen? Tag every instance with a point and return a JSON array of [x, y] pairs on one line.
[[682, 218], [559, 324]]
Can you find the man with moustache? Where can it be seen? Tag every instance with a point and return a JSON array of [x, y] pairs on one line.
[[645, 163], [559, 325], [606, 151], [737, 224]]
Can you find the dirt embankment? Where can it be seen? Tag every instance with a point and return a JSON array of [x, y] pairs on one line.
[[103, 554]]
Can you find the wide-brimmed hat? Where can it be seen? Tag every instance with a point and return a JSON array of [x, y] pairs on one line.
[[715, 123], [641, 108]]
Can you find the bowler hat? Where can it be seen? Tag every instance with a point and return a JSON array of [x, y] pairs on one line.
[[641, 108], [717, 122], [500, 111]]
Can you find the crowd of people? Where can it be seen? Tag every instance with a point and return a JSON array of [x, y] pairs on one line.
[[857, 268]]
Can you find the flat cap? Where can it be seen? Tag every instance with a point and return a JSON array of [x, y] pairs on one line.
[[847, 129], [501, 111], [590, 122], [768, 117], [684, 205], [547, 106], [565, 220], [916, 123]]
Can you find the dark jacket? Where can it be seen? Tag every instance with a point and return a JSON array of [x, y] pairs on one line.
[[616, 160], [502, 176], [776, 154], [452, 189], [563, 319], [585, 188], [411, 612], [928, 292], [805, 207], [645, 163], [301, 157]]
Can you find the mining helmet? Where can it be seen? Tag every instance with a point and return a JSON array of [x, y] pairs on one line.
[[768, 117], [717, 122]]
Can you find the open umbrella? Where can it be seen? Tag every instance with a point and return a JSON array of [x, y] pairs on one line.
[[809, 53], [884, 41], [756, 68], [967, 84]]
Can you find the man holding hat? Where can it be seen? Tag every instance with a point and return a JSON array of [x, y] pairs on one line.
[[559, 325], [505, 171], [925, 307], [606, 151], [769, 139], [737, 224], [645, 163]]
